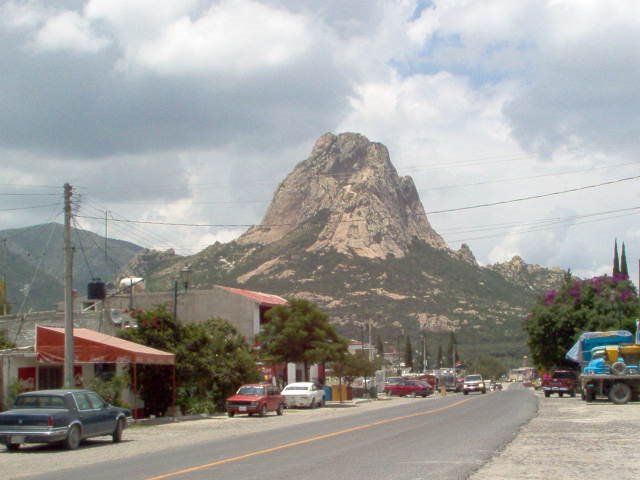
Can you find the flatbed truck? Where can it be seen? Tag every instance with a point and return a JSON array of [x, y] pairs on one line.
[[619, 389]]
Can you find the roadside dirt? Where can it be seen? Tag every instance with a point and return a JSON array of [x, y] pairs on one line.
[[571, 439]]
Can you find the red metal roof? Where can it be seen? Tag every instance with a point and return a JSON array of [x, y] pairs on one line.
[[90, 346], [264, 299]]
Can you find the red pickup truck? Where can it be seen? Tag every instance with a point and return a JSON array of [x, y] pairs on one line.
[[561, 382]]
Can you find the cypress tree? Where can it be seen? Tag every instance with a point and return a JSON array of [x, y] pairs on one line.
[[623, 263], [439, 358], [408, 354], [616, 262]]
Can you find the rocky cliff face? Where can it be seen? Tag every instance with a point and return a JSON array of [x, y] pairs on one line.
[[372, 212], [533, 277]]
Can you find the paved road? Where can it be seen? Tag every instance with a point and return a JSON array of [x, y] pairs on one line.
[[439, 438]]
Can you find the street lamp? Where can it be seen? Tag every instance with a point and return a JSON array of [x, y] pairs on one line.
[[185, 279]]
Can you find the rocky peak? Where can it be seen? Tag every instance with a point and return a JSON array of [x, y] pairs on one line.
[[466, 255], [532, 276], [373, 212]]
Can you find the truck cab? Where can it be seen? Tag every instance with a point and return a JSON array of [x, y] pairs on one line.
[[561, 382]]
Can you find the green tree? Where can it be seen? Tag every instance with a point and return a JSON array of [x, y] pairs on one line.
[[624, 270], [5, 308], [488, 367], [452, 350], [408, 354], [212, 360], [379, 346], [439, 357], [5, 343], [616, 262], [559, 317], [300, 332]]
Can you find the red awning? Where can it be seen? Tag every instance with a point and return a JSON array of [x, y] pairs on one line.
[[90, 346]]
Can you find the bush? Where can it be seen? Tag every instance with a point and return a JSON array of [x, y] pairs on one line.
[[111, 390]]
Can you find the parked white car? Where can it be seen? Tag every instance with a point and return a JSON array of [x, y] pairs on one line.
[[303, 394]]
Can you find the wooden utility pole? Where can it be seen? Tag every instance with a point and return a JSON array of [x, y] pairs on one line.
[[68, 291]]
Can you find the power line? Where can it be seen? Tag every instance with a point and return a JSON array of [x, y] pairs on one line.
[[30, 208], [512, 179], [433, 212], [532, 197]]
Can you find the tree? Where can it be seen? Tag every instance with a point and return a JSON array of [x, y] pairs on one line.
[[439, 357], [616, 262], [379, 346], [452, 350], [624, 270], [5, 308], [212, 360], [488, 367], [559, 317], [299, 332], [5, 342], [408, 354]]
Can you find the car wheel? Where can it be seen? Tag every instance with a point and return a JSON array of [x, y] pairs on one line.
[[280, 409], [560, 394], [231, 414], [73, 438], [313, 403], [116, 436], [547, 394], [13, 447], [620, 393], [263, 410], [322, 403], [465, 392], [484, 391], [572, 393]]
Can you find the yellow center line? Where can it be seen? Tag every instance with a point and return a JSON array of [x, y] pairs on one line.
[[303, 442]]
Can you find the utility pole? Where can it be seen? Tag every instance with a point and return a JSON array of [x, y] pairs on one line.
[[68, 292], [424, 353]]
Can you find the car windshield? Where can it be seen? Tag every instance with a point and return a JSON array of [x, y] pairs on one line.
[[296, 387], [39, 401], [472, 378], [251, 390], [565, 374]]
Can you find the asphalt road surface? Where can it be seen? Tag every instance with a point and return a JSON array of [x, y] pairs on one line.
[[435, 438]]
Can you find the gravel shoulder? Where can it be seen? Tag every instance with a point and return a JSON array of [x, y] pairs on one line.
[[571, 439]]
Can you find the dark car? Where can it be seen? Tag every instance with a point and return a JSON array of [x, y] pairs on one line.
[[257, 398], [60, 416], [409, 387]]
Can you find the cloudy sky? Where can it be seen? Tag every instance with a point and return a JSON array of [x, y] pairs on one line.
[[192, 111]]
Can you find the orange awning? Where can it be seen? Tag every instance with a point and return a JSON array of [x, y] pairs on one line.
[[90, 346]]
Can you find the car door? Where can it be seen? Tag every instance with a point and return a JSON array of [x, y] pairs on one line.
[[85, 414], [105, 418]]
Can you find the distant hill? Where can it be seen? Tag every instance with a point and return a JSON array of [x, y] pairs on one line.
[[32, 261], [345, 231]]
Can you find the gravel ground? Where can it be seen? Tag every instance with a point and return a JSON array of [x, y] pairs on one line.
[[571, 439]]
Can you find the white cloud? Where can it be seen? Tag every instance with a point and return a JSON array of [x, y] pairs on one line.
[[22, 15], [233, 36], [69, 31]]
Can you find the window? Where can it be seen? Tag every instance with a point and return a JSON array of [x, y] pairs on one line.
[[96, 402], [49, 377], [82, 400], [105, 371]]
